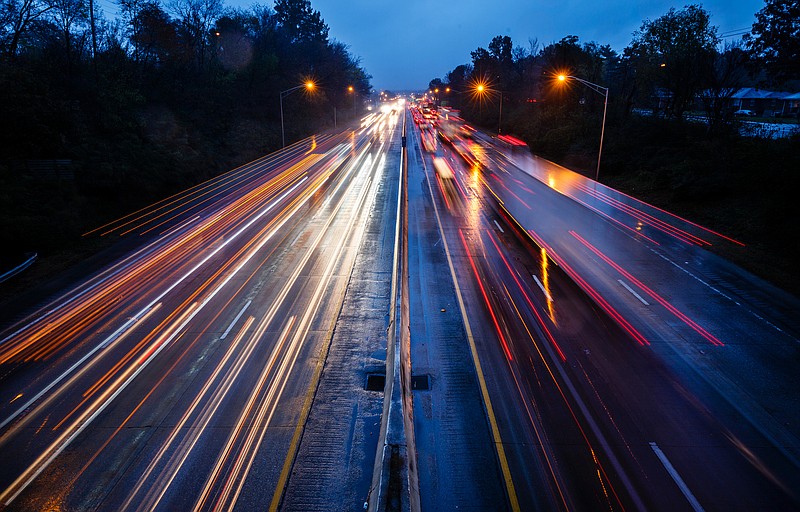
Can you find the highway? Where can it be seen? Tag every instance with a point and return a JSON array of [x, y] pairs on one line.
[[619, 378], [571, 347], [178, 377]]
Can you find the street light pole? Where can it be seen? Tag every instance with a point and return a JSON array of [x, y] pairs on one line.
[[500, 118], [308, 85], [599, 89], [602, 133]]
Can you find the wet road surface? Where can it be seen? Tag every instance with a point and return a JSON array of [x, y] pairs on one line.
[[571, 348]]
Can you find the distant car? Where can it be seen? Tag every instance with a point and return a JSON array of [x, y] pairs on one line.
[[748, 113]]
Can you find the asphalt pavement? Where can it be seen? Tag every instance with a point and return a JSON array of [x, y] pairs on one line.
[[181, 376], [571, 348]]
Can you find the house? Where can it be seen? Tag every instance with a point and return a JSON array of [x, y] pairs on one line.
[[765, 103]]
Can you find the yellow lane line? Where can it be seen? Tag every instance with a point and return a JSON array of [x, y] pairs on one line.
[[498, 442]]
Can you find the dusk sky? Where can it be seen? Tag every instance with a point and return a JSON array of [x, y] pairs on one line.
[[404, 45]]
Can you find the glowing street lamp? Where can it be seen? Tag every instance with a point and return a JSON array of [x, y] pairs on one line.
[[599, 89], [352, 90], [480, 89], [309, 85]]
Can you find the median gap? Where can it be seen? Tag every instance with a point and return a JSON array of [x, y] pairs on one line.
[[375, 382], [421, 382]]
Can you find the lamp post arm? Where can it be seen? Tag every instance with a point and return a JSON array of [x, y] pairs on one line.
[[289, 91], [599, 89], [603, 91]]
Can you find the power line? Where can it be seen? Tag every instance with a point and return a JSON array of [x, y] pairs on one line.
[[735, 32]]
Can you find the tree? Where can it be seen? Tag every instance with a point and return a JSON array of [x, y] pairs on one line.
[[436, 83], [775, 38], [196, 18], [500, 48], [724, 78], [670, 54], [302, 23], [155, 39], [16, 18], [69, 15]]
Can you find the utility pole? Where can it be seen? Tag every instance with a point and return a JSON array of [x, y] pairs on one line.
[[94, 38]]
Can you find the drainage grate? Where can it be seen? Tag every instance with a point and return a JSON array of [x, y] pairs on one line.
[[375, 382], [421, 382]]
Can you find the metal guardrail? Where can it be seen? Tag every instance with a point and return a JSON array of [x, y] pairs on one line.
[[395, 487]]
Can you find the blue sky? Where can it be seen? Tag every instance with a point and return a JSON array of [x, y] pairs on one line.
[[404, 44]]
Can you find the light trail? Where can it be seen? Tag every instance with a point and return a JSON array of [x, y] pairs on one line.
[[11, 350], [613, 313], [176, 264], [259, 420], [528, 300], [640, 216], [658, 298], [488, 304], [227, 179]]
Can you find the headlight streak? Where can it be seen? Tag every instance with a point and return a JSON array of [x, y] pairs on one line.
[[240, 473], [115, 337], [229, 178], [171, 333], [99, 405], [85, 419], [274, 393], [217, 391], [122, 425], [296, 170], [12, 350]]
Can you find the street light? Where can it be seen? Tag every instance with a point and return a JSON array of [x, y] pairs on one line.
[[309, 85], [599, 89], [352, 90], [479, 90]]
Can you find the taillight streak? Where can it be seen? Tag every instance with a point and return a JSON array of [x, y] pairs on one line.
[[527, 299], [672, 309], [486, 298], [613, 313]]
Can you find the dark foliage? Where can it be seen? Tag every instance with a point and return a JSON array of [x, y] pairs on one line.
[[174, 95], [775, 38], [699, 165]]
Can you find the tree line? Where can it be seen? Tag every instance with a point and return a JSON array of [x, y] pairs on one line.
[[165, 95], [675, 65]]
